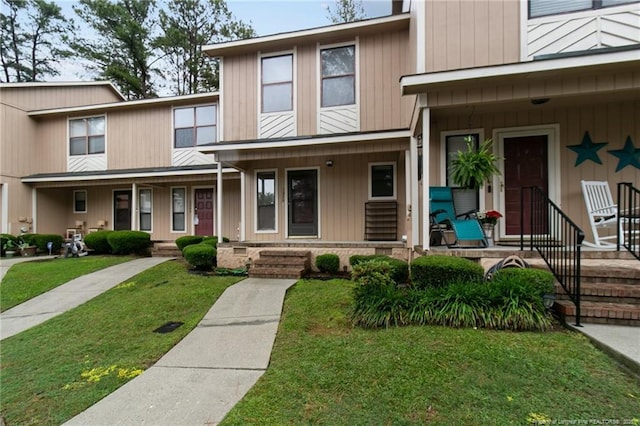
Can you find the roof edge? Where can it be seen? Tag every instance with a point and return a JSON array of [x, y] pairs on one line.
[[64, 84]]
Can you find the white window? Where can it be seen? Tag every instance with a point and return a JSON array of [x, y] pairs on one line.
[[178, 209], [195, 126], [86, 136], [382, 181], [79, 201], [266, 201], [277, 83], [145, 203], [338, 76], [553, 7]]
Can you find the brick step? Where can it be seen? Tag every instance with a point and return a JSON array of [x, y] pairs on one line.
[[605, 292], [281, 261], [168, 249], [284, 253], [600, 312], [267, 272]]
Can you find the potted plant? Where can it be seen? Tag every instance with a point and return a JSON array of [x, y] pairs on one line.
[[474, 167], [9, 248], [27, 249]]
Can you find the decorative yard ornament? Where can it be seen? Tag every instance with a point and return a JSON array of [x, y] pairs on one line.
[[587, 150], [627, 156]]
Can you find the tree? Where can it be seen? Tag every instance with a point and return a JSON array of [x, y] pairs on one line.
[[186, 26], [122, 50], [33, 38], [346, 11]]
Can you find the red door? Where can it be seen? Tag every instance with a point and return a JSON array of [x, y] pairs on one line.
[[204, 212], [525, 164]]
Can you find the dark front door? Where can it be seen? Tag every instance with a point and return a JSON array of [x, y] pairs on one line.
[[525, 165], [204, 211], [121, 210], [303, 203]]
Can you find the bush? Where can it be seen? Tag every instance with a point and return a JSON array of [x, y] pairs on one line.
[[129, 242], [399, 268], [212, 241], [441, 271], [542, 281], [98, 242], [329, 263], [187, 240], [201, 256], [41, 240]]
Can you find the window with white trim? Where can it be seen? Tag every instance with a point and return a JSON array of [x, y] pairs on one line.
[[382, 181], [553, 7], [195, 126], [86, 136], [277, 83], [464, 199], [80, 201], [145, 205], [266, 201], [178, 209], [338, 76]]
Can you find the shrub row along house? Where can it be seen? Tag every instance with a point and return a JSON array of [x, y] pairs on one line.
[[328, 139]]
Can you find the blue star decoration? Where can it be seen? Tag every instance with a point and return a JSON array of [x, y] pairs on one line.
[[587, 150], [627, 156]]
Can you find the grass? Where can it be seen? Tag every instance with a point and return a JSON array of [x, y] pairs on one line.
[[54, 371], [323, 371], [29, 279]]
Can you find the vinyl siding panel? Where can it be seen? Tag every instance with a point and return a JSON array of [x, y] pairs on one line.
[[307, 87], [40, 98], [240, 91]]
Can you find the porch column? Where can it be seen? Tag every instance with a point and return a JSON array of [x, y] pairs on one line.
[[218, 230], [34, 211], [426, 127], [134, 207], [243, 212], [4, 194], [413, 193]]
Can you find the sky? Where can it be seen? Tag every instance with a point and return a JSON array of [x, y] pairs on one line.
[[265, 16]]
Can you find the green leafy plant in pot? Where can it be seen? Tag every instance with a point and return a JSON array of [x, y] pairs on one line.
[[474, 167]]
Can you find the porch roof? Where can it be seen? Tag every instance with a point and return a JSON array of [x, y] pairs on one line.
[[549, 67], [102, 175]]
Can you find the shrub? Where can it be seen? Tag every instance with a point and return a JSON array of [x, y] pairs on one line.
[[329, 263], [129, 242], [98, 242], [187, 240], [441, 271], [201, 256], [212, 241], [399, 268], [541, 280], [41, 240]]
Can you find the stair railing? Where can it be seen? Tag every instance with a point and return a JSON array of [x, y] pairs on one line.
[[555, 237], [629, 218]]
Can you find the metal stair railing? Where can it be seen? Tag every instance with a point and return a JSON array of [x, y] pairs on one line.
[[555, 237], [629, 218]]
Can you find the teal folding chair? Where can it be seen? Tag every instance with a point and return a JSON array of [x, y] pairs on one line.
[[465, 226]]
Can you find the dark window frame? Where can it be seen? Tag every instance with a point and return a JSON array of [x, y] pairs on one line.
[[595, 5], [373, 192], [87, 137], [195, 125], [268, 174], [338, 76], [76, 201], [276, 83]]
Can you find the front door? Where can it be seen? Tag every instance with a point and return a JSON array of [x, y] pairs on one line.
[[122, 210], [204, 212], [525, 165], [303, 203]]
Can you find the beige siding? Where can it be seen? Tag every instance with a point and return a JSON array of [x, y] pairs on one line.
[[40, 98], [240, 97], [464, 33], [606, 122], [307, 87]]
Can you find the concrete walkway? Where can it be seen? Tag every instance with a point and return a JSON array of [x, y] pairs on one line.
[[69, 295], [209, 371]]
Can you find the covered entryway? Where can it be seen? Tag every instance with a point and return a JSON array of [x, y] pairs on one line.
[[302, 193], [203, 214]]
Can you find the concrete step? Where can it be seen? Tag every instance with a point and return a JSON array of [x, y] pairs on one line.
[[600, 312]]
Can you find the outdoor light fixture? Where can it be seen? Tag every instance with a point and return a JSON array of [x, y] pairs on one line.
[[539, 101], [329, 163], [102, 223], [548, 300]]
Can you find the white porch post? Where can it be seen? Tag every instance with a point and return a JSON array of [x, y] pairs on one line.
[[4, 190], [34, 210], [426, 127], [243, 213], [134, 207], [413, 194], [218, 230]]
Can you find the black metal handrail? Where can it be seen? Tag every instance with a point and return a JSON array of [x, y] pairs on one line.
[[556, 238], [629, 218]]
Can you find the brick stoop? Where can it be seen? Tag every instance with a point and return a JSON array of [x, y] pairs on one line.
[[165, 249], [610, 294], [281, 264]]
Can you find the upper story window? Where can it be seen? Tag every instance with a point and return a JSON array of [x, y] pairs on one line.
[[86, 136], [194, 126], [277, 83], [338, 69], [552, 7]]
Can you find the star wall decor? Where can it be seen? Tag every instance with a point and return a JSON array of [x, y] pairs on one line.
[[587, 150], [627, 156]]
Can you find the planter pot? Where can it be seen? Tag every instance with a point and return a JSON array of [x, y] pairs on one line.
[[29, 251], [9, 253], [489, 230]]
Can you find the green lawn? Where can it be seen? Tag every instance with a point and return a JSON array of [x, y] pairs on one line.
[[56, 370], [26, 280], [323, 371]]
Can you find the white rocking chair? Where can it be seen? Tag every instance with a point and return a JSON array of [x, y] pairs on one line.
[[602, 212]]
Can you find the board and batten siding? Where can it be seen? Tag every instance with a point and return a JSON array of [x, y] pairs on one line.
[[465, 34], [608, 122], [240, 97], [33, 98]]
